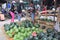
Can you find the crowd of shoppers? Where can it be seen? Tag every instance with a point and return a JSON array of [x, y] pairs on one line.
[[12, 8]]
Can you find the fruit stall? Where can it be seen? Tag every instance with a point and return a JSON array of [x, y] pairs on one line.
[[27, 30], [42, 29]]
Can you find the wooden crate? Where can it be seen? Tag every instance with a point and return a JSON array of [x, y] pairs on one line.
[[58, 17], [47, 24], [50, 23]]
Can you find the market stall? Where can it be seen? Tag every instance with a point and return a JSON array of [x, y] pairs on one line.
[[26, 30]]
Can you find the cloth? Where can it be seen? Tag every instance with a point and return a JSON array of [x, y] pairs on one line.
[[34, 34], [37, 7], [3, 11], [13, 2], [32, 16], [19, 9], [18, 15], [57, 26], [8, 5], [44, 9], [32, 9], [12, 7], [58, 9], [12, 15], [4, 6]]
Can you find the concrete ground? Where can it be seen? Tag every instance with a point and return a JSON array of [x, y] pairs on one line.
[[2, 35]]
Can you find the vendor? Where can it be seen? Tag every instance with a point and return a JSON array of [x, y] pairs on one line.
[[19, 11], [12, 10], [32, 11]]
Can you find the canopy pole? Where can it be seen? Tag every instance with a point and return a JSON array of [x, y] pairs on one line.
[[55, 10]]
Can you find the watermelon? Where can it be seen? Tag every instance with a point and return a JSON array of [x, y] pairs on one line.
[[6, 27], [49, 30], [37, 25]]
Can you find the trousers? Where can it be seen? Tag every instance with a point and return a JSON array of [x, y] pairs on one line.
[[18, 15], [12, 15], [32, 16]]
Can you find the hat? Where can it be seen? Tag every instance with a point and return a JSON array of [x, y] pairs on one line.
[[13, 2], [23, 10], [21, 1]]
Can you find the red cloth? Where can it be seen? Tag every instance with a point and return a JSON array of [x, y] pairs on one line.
[[34, 34], [44, 9]]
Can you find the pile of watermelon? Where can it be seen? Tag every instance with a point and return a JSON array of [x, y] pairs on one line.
[[30, 31], [22, 31], [51, 34]]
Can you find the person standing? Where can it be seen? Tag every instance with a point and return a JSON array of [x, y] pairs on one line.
[[4, 8], [44, 9], [8, 6], [12, 11], [32, 11], [37, 7], [19, 11], [58, 8], [57, 25]]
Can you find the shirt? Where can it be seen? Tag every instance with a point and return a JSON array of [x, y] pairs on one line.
[[4, 5], [8, 5]]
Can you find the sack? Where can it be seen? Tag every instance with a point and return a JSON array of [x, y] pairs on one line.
[[2, 17]]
